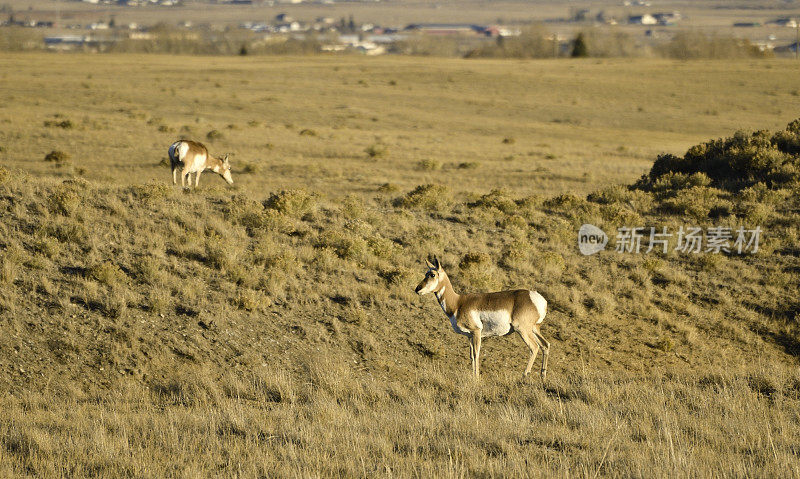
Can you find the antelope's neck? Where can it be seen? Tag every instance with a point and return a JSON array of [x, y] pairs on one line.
[[213, 164], [448, 298]]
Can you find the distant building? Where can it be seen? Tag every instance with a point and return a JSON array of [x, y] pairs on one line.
[[667, 18], [602, 17], [645, 19], [790, 48], [444, 29], [580, 15], [64, 42], [141, 36], [784, 22]]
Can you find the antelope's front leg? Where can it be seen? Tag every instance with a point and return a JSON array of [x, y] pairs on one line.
[[475, 343], [174, 176], [196, 179], [471, 354]]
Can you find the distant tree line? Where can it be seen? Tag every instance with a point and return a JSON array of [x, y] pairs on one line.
[[536, 42], [165, 39]]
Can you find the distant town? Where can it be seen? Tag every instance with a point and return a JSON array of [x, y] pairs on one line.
[[345, 34]]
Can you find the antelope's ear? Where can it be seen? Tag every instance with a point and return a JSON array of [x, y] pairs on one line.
[[430, 265], [225, 160], [436, 262]]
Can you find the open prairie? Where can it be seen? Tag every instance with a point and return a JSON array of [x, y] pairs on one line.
[[270, 329], [535, 127]]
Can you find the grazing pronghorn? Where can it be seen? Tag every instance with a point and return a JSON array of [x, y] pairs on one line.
[[194, 158], [483, 315]]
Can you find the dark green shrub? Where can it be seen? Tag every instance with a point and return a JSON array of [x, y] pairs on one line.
[[732, 163], [579, 48]]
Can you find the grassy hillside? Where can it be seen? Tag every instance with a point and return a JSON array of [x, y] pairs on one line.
[[286, 330], [271, 329]]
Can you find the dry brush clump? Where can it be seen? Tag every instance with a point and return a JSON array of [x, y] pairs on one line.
[[429, 197], [58, 157]]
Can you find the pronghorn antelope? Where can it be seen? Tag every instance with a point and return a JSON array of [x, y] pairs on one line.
[[194, 158], [483, 315]]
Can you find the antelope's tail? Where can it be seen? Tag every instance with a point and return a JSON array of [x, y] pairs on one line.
[[541, 305], [174, 154]]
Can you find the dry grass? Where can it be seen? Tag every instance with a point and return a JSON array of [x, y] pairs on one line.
[[338, 422], [271, 329]]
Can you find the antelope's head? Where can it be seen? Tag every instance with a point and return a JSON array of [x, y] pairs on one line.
[[433, 277], [225, 170]]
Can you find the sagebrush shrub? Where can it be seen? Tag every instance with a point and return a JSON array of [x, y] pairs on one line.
[[698, 202], [65, 124], [428, 165], [478, 271], [429, 197], [64, 201], [377, 151], [497, 198], [345, 245], [294, 203], [58, 157], [107, 273]]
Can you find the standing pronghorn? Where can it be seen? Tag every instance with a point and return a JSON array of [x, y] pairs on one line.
[[483, 315], [194, 158]]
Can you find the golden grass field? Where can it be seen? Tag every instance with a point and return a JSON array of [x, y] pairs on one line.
[[270, 329], [572, 126]]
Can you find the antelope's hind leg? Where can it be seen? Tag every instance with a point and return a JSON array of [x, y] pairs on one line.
[[533, 346], [471, 354], [545, 344], [187, 175]]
